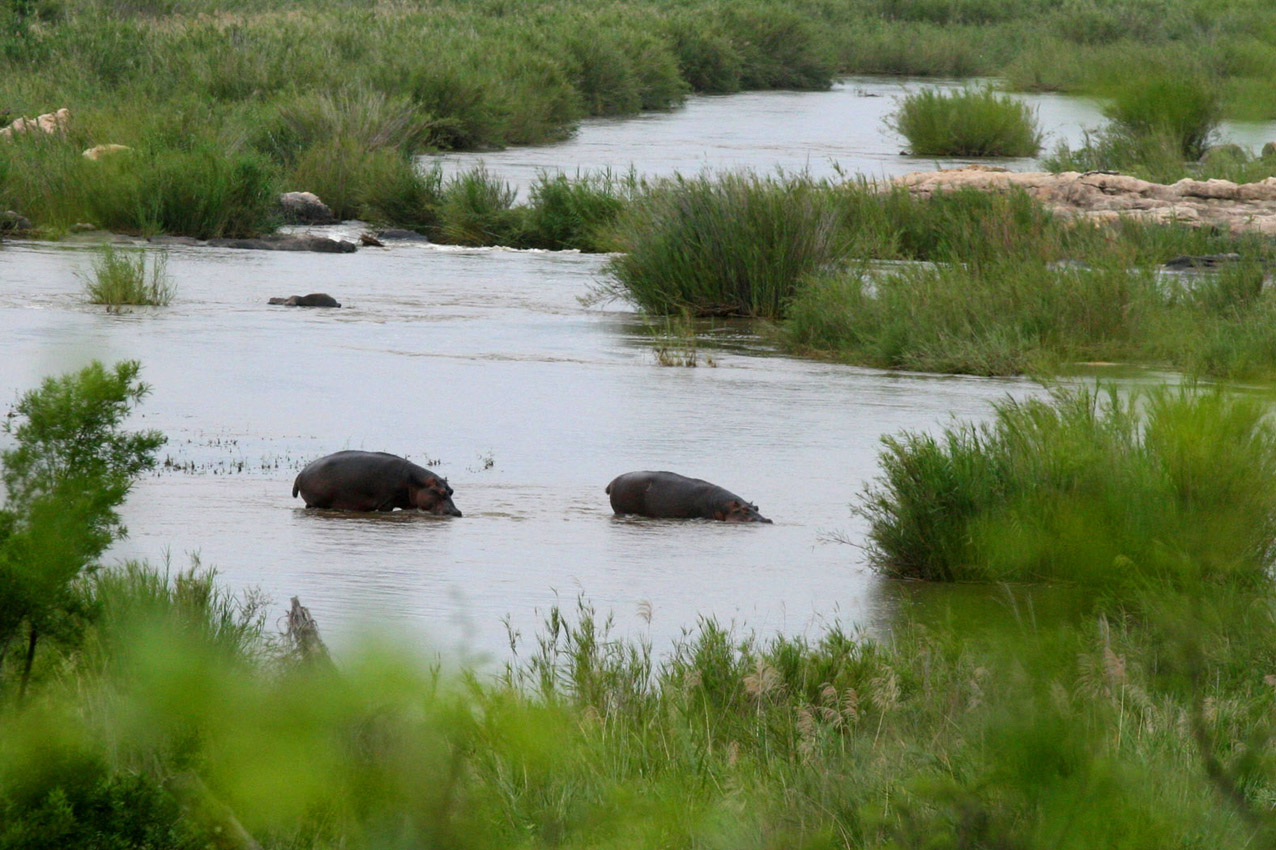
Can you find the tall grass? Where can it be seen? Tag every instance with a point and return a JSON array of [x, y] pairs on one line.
[[730, 245], [969, 122], [1167, 487], [125, 278], [980, 722]]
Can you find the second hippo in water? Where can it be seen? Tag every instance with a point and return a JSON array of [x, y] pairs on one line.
[[373, 481], [314, 299], [668, 495]]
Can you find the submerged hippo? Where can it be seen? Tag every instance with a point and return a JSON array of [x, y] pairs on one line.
[[668, 495], [373, 481], [314, 299]]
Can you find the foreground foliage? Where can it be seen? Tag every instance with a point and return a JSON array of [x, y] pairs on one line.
[[1127, 704], [69, 468]]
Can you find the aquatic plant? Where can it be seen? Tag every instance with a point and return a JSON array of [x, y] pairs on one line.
[[734, 244], [576, 213], [1164, 487], [968, 122], [122, 277]]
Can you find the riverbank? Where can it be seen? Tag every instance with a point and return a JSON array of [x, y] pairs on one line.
[[224, 107]]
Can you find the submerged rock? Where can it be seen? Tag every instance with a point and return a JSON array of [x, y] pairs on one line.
[[314, 299], [305, 208], [319, 244], [400, 235], [1202, 261]]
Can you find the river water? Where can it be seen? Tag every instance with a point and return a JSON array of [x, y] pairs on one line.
[[487, 365]]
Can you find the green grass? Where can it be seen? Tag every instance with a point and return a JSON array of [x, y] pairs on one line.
[[1011, 719], [729, 245], [970, 122], [1161, 488], [122, 277]]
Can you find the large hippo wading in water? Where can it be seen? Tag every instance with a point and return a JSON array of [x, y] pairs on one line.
[[373, 481], [668, 495]]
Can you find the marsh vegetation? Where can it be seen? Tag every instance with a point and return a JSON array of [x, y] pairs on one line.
[[126, 278], [1116, 692]]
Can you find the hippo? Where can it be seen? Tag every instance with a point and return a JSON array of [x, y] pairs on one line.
[[668, 495], [314, 299], [373, 481]]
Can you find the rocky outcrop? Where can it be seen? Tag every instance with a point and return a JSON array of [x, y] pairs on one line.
[[50, 122], [13, 222], [1104, 197], [304, 208]]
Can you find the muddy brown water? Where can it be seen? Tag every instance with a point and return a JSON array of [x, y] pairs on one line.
[[485, 364]]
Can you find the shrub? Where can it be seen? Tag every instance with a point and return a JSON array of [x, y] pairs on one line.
[[1169, 486], [730, 245], [1002, 318], [1182, 109], [969, 122], [566, 214], [478, 209], [120, 277]]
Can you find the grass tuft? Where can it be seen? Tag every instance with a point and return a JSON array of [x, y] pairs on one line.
[[730, 245], [969, 122], [125, 278]]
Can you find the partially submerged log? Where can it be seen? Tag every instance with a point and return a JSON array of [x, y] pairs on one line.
[[303, 636]]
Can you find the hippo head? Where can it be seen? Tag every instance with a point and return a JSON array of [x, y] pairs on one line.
[[738, 511], [434, 496]]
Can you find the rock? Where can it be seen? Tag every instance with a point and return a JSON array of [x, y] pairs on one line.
[[400, 235], [1229, 154], [318, 244], [370, 240], [98, 151], [305, 208], [82, 227], [50, 122], [1104, 198], [1202, 261], [13, 222], [173, 240], [314, 299]]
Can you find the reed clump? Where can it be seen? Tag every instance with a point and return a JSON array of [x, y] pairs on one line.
[[967, 122], [1165, 487], [127, 278], [735, 244]]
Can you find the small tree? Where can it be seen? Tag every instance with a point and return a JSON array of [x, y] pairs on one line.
[[70, 467]]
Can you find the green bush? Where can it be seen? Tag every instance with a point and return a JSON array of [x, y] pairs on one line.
[[1171, 487], [120, 278], [1002, 318], [1184, 109], [566, 214], [729, 245], [478, 209], [970, 122]]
